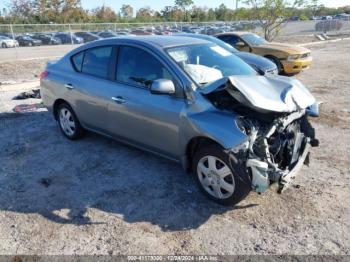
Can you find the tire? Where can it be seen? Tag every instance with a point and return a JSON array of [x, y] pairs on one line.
[[221, 184], [276, 62], [3, 45], [68, 122]]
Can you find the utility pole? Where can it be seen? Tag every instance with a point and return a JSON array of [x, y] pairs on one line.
[[237, 1]]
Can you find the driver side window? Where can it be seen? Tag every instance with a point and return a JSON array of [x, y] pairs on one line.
[[138, 67], [231, 39]]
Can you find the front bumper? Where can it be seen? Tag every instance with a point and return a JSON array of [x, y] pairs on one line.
[[296, 66]]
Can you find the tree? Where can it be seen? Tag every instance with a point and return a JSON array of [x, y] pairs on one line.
[[314, 7], [104, 14], [211, 15], [198, 13], [221, 12], [183, 5], [271, 14], [172, 13], [20, 9], [145, 14], [127, 11]]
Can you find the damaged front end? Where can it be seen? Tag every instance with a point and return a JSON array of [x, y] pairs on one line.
[[278, 139], [277, 151]]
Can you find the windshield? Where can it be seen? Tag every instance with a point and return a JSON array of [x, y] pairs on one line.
[[254, 40], [220, 43], [209, 62]]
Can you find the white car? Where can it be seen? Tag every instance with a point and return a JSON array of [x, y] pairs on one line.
[[6, 42]]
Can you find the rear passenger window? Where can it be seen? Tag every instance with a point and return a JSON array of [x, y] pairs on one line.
[[96, 61], [77, 61], [138, 67]]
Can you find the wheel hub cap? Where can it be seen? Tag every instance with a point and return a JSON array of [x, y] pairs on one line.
[[216, 177]]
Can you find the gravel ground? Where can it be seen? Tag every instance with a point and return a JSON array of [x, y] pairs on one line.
[[97, 196]]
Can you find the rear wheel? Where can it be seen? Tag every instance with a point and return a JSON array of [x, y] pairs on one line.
[[68, 122], [3, 45], [216, 178]]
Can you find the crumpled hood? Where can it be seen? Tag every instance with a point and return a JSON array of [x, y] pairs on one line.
[[290, 49], [265, 93]]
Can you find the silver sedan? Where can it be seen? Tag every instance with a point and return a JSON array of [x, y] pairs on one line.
[[188, 100]]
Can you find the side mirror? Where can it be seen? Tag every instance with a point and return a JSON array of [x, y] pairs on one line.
[[162, 86], [240, 44]]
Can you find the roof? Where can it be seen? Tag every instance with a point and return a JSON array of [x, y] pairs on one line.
[[239, 33], [158, 41]]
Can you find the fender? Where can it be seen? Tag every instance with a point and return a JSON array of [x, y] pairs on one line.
[[216, 125]]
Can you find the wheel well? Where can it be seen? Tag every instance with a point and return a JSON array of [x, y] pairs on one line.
[[276, 59], [194, 145], [57, 103]]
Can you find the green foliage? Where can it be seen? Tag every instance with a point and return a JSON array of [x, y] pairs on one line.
[[270, 13], [127, 11]]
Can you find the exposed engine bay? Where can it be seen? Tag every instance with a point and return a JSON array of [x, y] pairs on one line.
[[278, 142]]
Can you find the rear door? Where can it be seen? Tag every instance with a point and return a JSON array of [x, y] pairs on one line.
[[142, 118], [90, 88]]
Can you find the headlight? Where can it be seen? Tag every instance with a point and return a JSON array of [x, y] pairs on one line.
[[293, 57]]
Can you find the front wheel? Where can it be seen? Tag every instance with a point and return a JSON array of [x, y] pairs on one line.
[[3, 45], [216, 178], [277, 63]]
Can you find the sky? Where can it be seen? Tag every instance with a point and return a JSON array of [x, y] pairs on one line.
[[159, 4]]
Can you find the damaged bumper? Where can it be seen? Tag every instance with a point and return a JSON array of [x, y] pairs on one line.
[[287, 178], [277, 153]]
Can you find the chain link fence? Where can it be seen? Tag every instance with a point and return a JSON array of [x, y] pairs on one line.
[[70, 34]]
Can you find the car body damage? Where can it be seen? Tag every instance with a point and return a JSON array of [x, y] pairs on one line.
[[266, 93], [272, 112]]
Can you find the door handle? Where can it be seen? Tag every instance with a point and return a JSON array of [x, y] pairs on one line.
[[118, 99], [69, 86]]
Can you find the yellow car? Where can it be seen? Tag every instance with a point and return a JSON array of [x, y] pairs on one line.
[[290, 59]]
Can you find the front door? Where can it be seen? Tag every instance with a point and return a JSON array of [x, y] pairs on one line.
[[145, 119]]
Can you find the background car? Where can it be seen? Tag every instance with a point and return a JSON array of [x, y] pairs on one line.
[[107, 34], [69, 38], [47, 39], [87, 36], [140, 32], [6, 42], [28, 41], [289, 59], [260, 64]]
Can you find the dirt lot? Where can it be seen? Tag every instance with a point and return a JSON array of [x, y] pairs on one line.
[[96, 196]]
